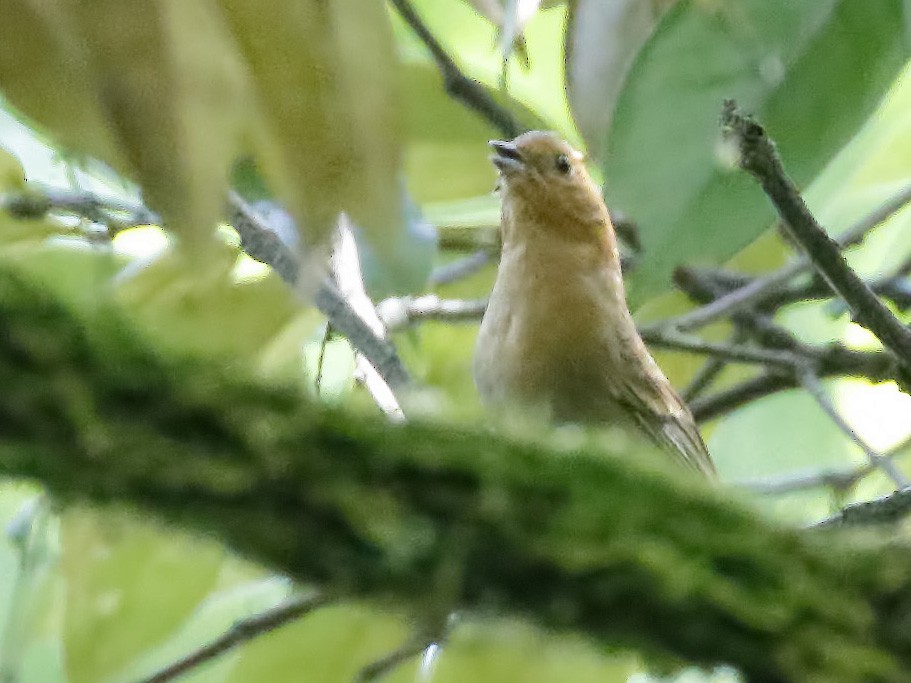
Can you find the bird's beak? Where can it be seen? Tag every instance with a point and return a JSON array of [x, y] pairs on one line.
[[506, 156]]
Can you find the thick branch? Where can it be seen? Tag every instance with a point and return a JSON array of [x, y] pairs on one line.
[[600, 545]]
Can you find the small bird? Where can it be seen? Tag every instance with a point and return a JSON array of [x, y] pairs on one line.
[[557, 335]]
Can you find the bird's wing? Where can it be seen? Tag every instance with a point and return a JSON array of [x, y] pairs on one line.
[[663, 416]]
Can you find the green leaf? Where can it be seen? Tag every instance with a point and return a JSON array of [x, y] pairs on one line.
[[812, 71], [129, 584], [151, 87], [216, 615], [329, 646], [45, 71], [602, 39], [12, 177], [512, 651], [325, 79], [202, 310]]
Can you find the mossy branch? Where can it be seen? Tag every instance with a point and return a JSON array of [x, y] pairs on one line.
[[440, 518]]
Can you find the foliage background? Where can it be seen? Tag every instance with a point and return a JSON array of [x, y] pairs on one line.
[[86, 596]]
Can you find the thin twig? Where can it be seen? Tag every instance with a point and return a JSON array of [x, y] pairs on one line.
[[241, 632], [738, 353], [460, 269], [38, 200], [841, 479], [346, 271], [376, 670], [759, 157], [324, 342], [759, 288], [810, 381], [461, 87], [710, 370], [264, 245], [884, 510], [400, 312]]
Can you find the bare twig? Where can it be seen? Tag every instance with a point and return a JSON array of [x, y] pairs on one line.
[[400, 312], [468, 91], [264, 245], [376, 670], [759, 157], [759, 288], [38, 200], [884, 510], [710, 370], [840, 479], [464, 267], [240, 633], [346, 271], [810, 381]]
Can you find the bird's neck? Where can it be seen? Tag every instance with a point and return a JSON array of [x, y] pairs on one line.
[[552, 258]]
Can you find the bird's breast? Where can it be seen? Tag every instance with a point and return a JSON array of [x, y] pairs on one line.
[[551, 335]]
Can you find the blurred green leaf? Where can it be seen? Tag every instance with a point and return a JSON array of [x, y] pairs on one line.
[[12, 176], [45, 70], [812, 70], [129, 584], [151, 87], [202, 310], [602, 39], [325, 78], [328, 646], [510, 651], [216, 615]]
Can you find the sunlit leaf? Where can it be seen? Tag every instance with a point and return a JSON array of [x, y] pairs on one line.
[[215, 616], [202, 310], [11, 174], [514, 652], [329, 645], [46, 72], [129, 584], [811, 70], [325, 77]]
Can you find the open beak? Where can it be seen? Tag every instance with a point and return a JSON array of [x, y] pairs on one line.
[[506, 156]]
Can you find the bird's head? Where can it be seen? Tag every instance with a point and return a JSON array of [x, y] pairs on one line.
[[542, 177]]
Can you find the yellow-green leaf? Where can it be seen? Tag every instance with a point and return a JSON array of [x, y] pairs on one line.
[[129, 585], [173, 93]]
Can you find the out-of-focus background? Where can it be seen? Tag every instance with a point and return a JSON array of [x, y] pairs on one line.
[[311, 107]]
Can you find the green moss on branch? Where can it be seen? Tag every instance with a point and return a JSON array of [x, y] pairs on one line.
[[577, 541]]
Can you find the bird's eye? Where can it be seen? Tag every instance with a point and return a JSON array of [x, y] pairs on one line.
[[563, 164]]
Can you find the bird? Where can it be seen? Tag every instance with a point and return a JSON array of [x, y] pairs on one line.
[[557, 335]]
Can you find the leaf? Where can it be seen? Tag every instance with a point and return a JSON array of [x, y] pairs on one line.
[[512, 651], [326, 81], [11, 174], [330, 645], [151, 87], [601, 41], [812, 71], [45, 72], [129, 584], [215, 616], [202, 310], [173, 94]]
